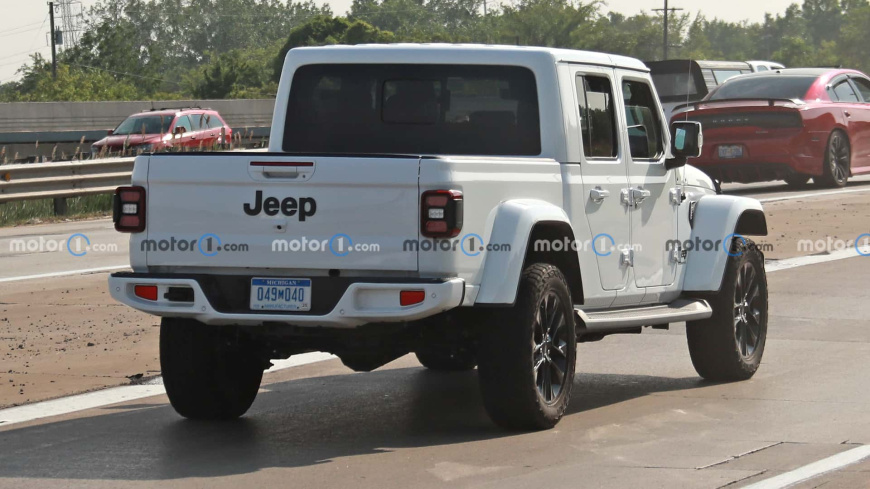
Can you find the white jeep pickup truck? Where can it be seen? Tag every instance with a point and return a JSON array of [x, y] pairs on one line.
[[488, 206]]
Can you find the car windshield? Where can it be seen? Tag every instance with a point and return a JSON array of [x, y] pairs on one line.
[[151, 124], [417, 109], [764, 87]]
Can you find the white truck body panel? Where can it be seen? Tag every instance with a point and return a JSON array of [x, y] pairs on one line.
[[375, 200]]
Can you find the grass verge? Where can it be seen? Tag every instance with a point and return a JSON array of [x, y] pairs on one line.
[[36, 211]]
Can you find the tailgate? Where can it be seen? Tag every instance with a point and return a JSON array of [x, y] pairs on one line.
[[281, 211]]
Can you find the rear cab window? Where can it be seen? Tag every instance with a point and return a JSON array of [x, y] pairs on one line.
[[413, 109]]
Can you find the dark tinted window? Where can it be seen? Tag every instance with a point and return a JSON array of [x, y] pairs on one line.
[[844, 92], [597, 122], [724, 75], [413, 109], [863, 87], [151, 124], [675, 84], [641, 116], [765, 87]]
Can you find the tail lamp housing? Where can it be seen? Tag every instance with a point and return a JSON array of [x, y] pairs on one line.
[[441, 213], [128, 209]]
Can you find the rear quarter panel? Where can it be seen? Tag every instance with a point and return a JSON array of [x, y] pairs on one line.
[[488, 187]]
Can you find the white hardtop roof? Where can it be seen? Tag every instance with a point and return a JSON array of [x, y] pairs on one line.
[[467, 53]]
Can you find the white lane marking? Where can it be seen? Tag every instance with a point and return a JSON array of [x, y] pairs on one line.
[[814, 194], [802, 261], [814, 469], [64, 274], [114, 395]]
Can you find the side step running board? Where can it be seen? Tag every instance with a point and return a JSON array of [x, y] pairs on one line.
[[677, 311]]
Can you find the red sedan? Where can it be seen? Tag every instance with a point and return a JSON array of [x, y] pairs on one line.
[[791, 124]]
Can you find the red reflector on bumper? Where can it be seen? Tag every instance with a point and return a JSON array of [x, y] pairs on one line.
[[148, 292], [411, 297]]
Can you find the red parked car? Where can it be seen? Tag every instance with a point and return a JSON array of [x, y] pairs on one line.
[[790, 124], [157, 130]]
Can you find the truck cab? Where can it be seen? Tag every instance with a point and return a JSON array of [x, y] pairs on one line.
[[486, 206]]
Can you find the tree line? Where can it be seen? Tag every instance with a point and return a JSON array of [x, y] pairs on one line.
[[173, 49]]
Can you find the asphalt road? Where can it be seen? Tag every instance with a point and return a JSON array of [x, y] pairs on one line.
[[639, 417]]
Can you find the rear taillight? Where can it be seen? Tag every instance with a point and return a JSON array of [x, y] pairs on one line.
[[128, 209], [441, 213]]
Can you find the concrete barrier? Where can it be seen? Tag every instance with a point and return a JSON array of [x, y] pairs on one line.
[[87, 116], [59, 129]]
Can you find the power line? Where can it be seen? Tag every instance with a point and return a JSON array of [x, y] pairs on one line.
[[124, 73]]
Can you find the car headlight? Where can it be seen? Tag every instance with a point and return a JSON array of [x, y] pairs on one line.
[[145, 148]]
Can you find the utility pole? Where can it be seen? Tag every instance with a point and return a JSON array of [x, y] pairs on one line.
[[53, 41], [666, 11]]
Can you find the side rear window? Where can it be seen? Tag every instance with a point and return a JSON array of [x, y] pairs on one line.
[[184, 122], [642, 118], [863, 87], [597, 117], [844, 92], [197, 121], [214, 122], [413, 109]]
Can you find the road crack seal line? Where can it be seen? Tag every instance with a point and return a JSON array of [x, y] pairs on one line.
[[735, 457], [743, 479]]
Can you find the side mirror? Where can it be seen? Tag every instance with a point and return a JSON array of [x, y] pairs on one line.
[[687, 141], [179, 130], [110, 132]]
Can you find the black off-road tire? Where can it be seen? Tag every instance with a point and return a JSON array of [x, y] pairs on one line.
[[838, 161], [447, 360], [515, 340], [207, 373], [729, 345], [797, 180]]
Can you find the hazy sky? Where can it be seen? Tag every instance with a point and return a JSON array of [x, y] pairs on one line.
[[26, 28]]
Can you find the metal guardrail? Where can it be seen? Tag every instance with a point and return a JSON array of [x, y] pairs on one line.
[[67, 179]]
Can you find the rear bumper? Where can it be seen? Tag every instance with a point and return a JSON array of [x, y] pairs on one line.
[[747, 172], [348, 303], [766, 156]]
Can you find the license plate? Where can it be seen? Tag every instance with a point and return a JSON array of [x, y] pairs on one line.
[[281, 294], [731, 151]]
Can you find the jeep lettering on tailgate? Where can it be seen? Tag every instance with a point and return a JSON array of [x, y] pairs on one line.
[[305, 207]]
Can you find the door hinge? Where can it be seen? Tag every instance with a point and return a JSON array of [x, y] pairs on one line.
[[679, 255], [626, 258], [677, 196]]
